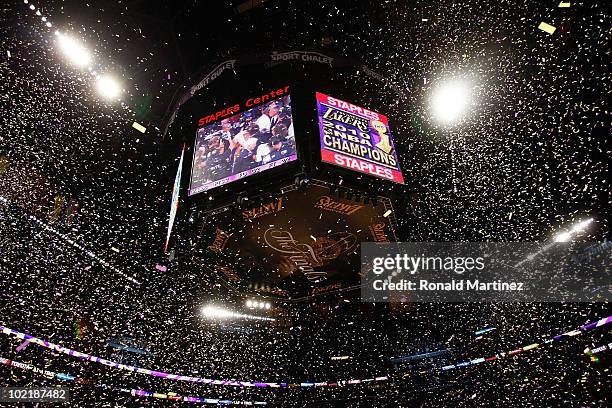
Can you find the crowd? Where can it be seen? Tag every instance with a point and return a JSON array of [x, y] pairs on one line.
[[243, 142]]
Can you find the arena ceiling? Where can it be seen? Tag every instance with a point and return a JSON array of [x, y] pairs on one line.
[[529, 159]]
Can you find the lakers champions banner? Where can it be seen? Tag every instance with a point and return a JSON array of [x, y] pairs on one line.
[[357, 138], [300, 244]]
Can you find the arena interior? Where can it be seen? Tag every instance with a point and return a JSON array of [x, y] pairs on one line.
[[298, 203]]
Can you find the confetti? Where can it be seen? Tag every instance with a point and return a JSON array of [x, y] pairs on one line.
[[524, 162], [139, 127], [547, 28]]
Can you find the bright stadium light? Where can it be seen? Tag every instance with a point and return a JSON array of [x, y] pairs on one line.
[[108, 87], [219, 313], [213, 312], [258, 304], [581, 226], [563, 237], [74, 50], [449, 100], [566, 236]]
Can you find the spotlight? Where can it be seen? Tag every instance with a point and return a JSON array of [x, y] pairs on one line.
[[213, 312], [565, 236], [249, 303], [74, 50], [219, 313], [108, 87], [581, 226], [268, 306], [449, 101], [261, 305]]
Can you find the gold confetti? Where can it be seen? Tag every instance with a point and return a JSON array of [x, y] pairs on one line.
[[565, 4], [4, 163], [547, 28], [139, 127]]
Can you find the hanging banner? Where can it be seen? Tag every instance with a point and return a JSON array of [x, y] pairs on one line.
[[175, 199]]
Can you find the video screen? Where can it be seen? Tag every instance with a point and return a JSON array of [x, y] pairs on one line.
[[357, 138], [244, 144]]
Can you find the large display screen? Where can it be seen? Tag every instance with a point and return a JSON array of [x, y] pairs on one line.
[[244, 144], [357, 138]]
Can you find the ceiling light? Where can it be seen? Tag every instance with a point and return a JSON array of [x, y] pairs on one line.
[[108, 87], [565, 236], [581, 226], [449, 101], [74, 50]]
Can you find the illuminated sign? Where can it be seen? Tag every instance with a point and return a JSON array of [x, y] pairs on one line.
[[357, 138], [232, 146]]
